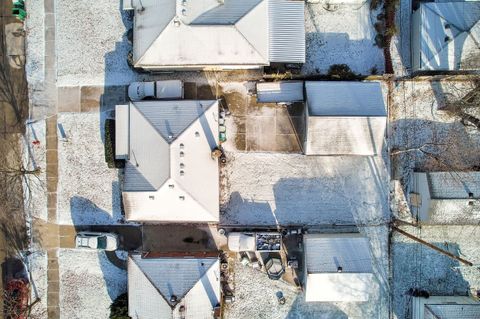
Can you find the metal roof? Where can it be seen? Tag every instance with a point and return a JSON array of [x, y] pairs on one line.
[[282, 91], [454, 185], [332, 98], [287, 31], [449, 35], [195, 283], [324, 253], [453, 311]]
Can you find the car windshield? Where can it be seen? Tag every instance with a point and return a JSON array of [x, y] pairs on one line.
[[102, 242]]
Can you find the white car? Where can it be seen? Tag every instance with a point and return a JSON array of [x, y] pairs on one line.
[[168, 89], [94, 240]]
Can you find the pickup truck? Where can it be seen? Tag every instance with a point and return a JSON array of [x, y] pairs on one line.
[[255, 241], [168, 89]]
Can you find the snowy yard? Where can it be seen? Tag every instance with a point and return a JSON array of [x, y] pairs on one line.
[[256, 297], [290, 189], [37, 266], [342, 35], [92, 51], [417, 266], [88, 284], [88, 191]]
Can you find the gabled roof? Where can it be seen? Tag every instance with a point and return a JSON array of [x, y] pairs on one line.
[[450, 36], [454, 311], [210, 33], [170, 174], [324, 253], [194, 283]]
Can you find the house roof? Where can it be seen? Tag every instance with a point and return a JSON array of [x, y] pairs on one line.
[[324, 253], [176, 34], [453, 311], [170, 174], [450, 35], [194, 283], [332, 98], [445, 307]]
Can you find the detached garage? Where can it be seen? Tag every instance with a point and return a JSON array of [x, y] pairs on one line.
[[344, 118]]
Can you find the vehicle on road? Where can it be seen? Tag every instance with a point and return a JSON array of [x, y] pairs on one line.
[[96, 240], [168, 89]]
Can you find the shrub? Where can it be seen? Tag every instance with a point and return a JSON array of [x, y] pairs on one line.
[[341, 72], [109, 145], [119, 307]]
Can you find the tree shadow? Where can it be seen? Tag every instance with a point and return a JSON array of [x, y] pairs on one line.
[[418, 267]]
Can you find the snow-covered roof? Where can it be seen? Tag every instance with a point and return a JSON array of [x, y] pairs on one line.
[[453, 194], [282, 91], [173, 287], [170, 174], [445, 307], [176, 34], [344, 118], [324, 254], [449, 35]]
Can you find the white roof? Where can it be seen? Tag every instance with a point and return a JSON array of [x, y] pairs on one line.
[[282, 91], [170, 174], [195, 282], [198, 34], [449, 36], [445, 196], [324, 253], [445, 307], [344, 118]]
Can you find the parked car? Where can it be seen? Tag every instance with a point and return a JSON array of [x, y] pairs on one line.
[[168, 89], [94, 240]]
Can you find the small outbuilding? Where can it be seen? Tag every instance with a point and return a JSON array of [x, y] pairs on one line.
[[445, 307], [344, 118], [173, 287], [338, 267], [170, 173], [446, 36], [445, 194]]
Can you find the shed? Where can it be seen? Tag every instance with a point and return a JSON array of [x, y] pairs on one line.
[[445, 194], [338, 267], [445, 307], [446, 36], [344, 118], [280, 92], [173, 287], [170, 174], [212, 34]]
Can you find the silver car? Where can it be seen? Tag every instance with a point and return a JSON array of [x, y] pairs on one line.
[[94, 240]]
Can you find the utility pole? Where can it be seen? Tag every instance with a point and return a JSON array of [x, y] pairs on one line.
[[421, 241]]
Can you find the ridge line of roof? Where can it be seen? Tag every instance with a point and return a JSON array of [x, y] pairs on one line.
[[198, 117]]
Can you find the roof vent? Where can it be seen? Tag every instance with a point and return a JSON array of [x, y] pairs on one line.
[[173, 298], [182, 146], [197, 134], [171, 186], [447, 26], [184, 12], [170, 136], [339, 269], [447, 38], [182, 154], [184, 2], [182, 165], [182, 173], [176, 23], [151, 197], [181, 197]]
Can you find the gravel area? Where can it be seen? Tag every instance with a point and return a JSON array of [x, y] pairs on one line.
[[342, 34], [400, 46], [417, 266], [35, 42], [88, 191], [92, 51], [88, 284], [290, 189]]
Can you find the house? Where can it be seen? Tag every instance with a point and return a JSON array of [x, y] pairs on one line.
[[216, 34], [344, 118], [446, 36], [445, 307], [445, 194], [173, 287], [170, 173], [338, 267]]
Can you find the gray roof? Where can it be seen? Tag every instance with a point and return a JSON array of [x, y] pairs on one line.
[[454, 185], [153, 126], [454, 311], [228, 13], [331, 98], [173, 276], [282, 91], [324, 253]]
